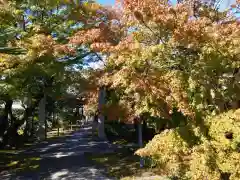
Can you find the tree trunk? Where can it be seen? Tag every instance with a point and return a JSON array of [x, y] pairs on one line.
[[140, 141], [101, 103], [41, 118], [28, 128], [101, 130], [45, 125], [8, 111], [7, 119], [82, 113], [32, 122]]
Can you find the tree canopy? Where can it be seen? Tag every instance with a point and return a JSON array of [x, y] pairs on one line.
[[160, 58]]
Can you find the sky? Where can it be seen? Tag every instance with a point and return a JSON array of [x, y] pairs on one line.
[[106, 2], [224, 3]]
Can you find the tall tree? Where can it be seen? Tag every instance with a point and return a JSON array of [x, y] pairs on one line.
[[42, 29], [162, 53]]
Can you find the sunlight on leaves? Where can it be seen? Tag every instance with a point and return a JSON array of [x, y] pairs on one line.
[[13, 163]]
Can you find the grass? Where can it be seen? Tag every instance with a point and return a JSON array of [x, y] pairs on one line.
[[9, 151], [121, 164], [120, 142], [16, 162], [12, 163], [13, 159], [152, 178], [118, 165]]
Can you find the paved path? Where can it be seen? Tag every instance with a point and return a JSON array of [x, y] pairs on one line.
[[64, 159]]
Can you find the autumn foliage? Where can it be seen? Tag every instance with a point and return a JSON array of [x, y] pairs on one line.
[[157, 57], [162, 56], [184, 152]]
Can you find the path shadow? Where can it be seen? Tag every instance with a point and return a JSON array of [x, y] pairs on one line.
[[62, 158]]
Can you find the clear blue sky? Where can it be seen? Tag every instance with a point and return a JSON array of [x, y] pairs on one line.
[[106, 2]]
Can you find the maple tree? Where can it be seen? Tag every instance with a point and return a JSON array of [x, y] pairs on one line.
[[161, 62], [41, 29], [157, 57], [162, 56]]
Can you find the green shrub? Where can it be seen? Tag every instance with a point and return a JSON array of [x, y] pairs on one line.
[[188, 154]]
